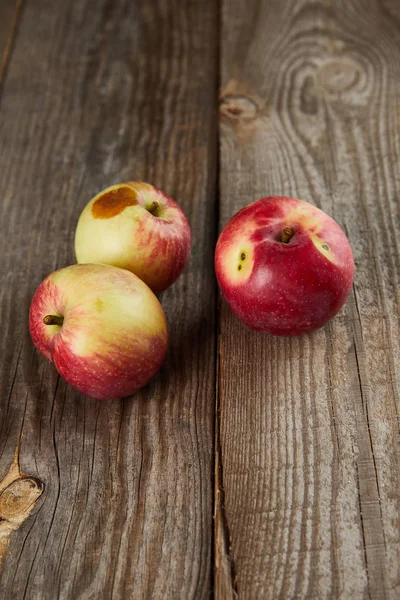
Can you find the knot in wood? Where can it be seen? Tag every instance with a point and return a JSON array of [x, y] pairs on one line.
[[18, 497], [239, 107], [338, 76]]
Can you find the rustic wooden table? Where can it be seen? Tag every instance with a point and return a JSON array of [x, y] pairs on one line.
[[252, 466]]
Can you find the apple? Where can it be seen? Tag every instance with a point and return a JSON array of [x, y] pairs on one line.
[[284, 266], [137, 227], [102, 327]]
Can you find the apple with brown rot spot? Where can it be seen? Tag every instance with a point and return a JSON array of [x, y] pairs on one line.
[[101, 326], [137, 227], [284, 266]]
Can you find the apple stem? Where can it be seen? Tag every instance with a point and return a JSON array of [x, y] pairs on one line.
[[287, 233], [153, 208], [53, 320]]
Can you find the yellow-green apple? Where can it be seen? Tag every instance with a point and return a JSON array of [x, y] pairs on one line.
[[102, 327], [137, 227], [284, 266]]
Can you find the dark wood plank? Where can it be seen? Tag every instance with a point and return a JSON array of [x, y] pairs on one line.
[[99, 92], [10, 12], [309, 427]]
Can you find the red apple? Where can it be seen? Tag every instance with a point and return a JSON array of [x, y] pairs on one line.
[[137, 227], [102, 327], [284, 266]]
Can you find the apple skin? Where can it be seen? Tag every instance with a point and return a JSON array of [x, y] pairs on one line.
[[284, 288], [137, 227], [113, 339]]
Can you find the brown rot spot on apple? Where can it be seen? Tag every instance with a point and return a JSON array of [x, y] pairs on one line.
[[113, 202], [325, 247], [239, 267], [242, 256]]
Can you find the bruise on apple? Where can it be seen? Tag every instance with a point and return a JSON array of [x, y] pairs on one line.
[[114, 201], [240, 261], [323, 247]]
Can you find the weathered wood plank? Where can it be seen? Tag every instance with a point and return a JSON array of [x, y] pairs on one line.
[[10, 15], [309, 427], [98, 92]]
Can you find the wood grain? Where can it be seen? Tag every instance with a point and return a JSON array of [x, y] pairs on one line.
[[99, 92], [10, 15], [309, 427]]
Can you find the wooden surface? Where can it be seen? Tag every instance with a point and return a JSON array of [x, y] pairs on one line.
[[309, 427], [291, 444], [10, 15], [98, 92]]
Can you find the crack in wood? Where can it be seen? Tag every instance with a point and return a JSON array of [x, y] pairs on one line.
[[362, 524], [225, 569], [226, 575]]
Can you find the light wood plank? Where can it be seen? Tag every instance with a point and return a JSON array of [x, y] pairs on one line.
[[309, 427], [99, 92]]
